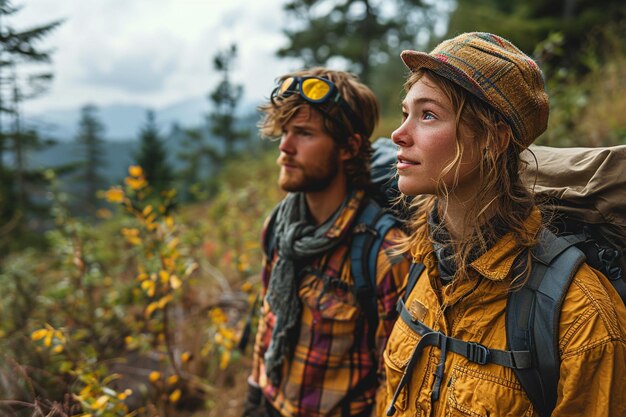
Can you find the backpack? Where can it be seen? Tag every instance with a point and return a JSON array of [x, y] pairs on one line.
[[587, 189]]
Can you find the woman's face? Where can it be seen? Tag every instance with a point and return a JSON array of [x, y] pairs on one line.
[[427, 139]]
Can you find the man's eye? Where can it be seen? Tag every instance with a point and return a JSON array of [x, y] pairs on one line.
[[405, 116]]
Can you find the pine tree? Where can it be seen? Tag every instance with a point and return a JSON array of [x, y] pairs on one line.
[[206, 148], [18, 47], [90, 139], [152, 155], [365, 33], [225, 98]]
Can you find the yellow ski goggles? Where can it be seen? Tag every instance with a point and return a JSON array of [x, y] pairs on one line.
[[317, 90]]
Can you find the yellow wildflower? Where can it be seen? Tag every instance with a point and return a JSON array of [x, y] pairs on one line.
[[150, 308], [147, 210], [114, 195], [131, 235], [225, 359], [165, 300], [227, 333], [47, 341], [123, 395], [85, 391], [101, 402], [135, 171], [154, 376], [149, 287], [217, 315], [169, 263], [175, 396], [39, 334], [135, 183], [175, 282]]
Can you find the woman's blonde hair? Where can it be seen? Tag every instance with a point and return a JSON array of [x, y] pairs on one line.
[[360, 99], [502, 198]]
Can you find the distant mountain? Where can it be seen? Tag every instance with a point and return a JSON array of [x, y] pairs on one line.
[[117, 157], [119, 154], [122, 122]]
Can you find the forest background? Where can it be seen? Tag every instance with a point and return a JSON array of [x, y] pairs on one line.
[[128, 269]]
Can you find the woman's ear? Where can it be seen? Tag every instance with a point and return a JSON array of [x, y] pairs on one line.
[[351, 149]]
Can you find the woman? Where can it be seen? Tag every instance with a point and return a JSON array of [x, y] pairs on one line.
[[472, 105]]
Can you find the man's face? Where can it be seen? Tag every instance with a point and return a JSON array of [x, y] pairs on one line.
[[309, 159]]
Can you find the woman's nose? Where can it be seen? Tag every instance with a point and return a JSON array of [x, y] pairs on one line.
[[399, 136]]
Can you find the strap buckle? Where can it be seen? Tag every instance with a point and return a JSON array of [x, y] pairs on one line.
[[477, 353]]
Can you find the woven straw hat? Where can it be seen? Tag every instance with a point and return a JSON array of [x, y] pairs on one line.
[[496, 71]]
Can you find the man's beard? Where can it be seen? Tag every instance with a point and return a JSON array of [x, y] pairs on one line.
[[318, 180]]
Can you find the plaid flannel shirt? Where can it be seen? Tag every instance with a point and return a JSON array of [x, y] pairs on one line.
[[332, 354]]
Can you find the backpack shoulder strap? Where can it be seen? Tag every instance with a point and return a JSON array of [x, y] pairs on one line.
[[415, 271], [371, 227], [368, 234], [533, 313]]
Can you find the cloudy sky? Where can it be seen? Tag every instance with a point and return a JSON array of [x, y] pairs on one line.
[[153, 52]]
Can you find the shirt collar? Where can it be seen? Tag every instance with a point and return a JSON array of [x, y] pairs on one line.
[[346, 216]]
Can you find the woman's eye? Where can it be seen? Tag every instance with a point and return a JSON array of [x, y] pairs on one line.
[[429, 115], [405, 116]]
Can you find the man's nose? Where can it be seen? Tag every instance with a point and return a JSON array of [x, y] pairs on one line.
[[287, 144]]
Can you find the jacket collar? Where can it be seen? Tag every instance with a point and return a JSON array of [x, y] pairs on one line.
[[495, 264]]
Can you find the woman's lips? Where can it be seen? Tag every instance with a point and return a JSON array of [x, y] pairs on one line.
[[404, 163]]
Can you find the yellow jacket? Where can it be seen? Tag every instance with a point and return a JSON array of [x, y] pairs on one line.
[[592, 343]]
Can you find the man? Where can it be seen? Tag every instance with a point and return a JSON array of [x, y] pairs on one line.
[[318, 345]]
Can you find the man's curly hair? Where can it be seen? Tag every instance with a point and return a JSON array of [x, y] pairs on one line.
[[337, 124]]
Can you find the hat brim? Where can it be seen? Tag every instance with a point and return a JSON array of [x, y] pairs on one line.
[[416, 60]]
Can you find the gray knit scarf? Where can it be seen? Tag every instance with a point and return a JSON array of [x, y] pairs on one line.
[[298, 241]]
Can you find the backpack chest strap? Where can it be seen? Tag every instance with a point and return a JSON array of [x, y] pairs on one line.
[[474, 352]]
